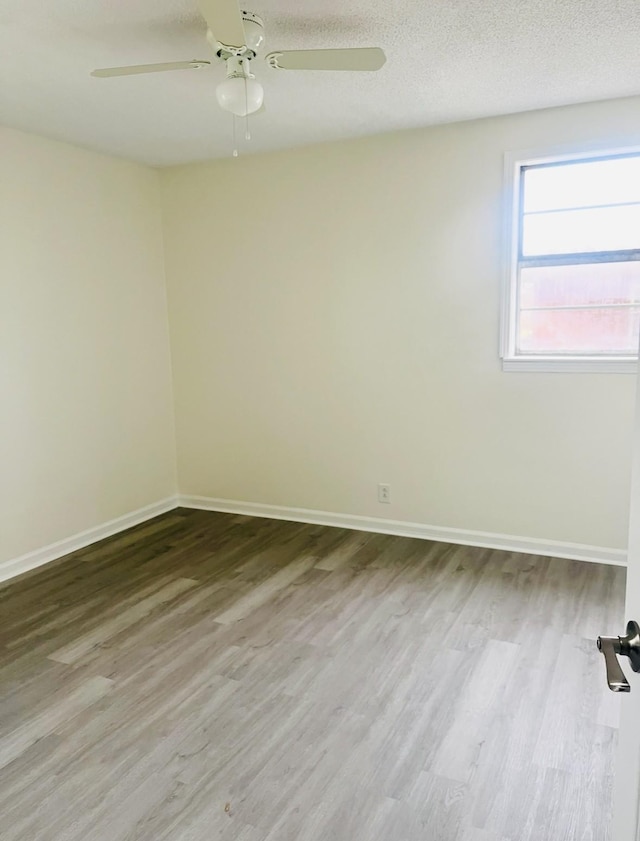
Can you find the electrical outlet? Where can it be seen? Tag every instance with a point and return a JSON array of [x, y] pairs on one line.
[[384, 493]]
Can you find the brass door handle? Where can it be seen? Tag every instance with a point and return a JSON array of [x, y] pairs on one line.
[[628, 646]]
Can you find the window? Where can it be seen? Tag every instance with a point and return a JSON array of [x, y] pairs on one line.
[[572, 300]]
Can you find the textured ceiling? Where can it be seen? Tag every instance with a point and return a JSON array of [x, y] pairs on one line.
[[446, 60]]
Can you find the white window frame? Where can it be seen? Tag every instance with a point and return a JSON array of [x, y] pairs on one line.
[[511, 361]]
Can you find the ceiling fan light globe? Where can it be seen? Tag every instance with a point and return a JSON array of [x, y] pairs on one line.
[[240, 96]]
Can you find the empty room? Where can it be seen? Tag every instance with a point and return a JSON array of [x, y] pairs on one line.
[[319, 447]]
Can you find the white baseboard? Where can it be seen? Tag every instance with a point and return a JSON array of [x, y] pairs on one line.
[[490, 540], [510, 543], [16, 566]]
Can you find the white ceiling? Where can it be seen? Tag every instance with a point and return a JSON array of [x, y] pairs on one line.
[[447, 60]]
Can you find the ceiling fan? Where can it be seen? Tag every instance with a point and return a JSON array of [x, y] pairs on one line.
[[236, 37]]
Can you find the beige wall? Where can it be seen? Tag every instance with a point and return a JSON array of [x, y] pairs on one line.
[[86, 425], [334, 320], [334, 315]]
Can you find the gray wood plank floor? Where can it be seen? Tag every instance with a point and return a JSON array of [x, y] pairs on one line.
[[214, 676]]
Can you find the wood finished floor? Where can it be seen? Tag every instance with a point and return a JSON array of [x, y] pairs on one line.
[[210, 676]]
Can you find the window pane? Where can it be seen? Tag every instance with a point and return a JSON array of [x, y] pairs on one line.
[[582, 184], [600, 331], [601, 229], [594, 284]]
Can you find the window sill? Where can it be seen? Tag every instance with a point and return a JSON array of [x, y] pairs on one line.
[[571, 364]]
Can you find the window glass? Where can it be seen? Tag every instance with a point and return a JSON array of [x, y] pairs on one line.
[[575, 231], [589, 332], [589, 308], [593, 284], [588, 184], [576, 275]]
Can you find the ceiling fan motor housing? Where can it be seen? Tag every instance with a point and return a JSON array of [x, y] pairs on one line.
[[254, 38]]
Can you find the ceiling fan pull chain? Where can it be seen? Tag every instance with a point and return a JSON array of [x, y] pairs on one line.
[[235, 142]]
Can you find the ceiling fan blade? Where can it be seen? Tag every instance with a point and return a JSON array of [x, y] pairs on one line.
[[224, 19], [359, 58], [150, 68]]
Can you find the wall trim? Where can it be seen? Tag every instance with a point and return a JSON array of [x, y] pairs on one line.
[[555, 365], [24, 563], [466, 537]]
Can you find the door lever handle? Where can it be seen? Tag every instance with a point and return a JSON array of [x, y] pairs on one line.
[[629, 646], [610, 646]]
